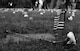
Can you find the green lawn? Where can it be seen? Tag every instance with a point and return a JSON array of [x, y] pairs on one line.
[[16, 23]]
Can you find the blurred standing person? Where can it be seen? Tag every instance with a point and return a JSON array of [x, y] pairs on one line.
[[53, 4], [11, 4], [58, 3], [78, 4], [70, 4], [73, 3], [36, 4], [41, 3], [46, 4]]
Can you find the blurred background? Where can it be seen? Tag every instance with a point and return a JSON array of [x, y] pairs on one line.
[[46, 4], [14, 19]]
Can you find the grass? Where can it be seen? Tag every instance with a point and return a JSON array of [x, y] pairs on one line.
[[16, 23]]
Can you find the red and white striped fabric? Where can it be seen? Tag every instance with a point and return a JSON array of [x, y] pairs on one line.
[[61, 25]]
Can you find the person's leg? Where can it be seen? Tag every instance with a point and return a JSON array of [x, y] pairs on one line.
[[73, 5], [53, 4], [58, 3], [40, 3], [44, 5]]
